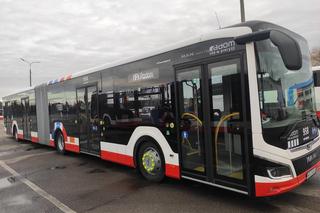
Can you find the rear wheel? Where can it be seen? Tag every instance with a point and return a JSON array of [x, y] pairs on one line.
[[60, 146], [151, 162], [15, 134]]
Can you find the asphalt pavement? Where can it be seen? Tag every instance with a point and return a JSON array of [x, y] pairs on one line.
[[34, 178]]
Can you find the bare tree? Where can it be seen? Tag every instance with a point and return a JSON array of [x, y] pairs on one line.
[[315, 57]]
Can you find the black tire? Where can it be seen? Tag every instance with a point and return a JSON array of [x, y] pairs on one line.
[[59, 142], [15, 134], [151, 162]]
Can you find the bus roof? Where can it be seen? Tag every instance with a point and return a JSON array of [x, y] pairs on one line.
[[231, 31], [221, 33]]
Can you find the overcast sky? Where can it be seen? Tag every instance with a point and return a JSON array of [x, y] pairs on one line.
[[68, 36]]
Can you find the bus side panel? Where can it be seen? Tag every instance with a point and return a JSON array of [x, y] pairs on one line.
[[42, 114], [124, 154]]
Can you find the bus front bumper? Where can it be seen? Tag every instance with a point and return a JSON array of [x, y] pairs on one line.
[[264, 189]]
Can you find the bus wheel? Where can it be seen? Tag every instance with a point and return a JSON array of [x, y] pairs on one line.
[[15, 134], [60, 143], [151, 162]]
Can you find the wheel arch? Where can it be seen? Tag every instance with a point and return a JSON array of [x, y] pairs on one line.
[[14, 125], [58, 126], [14, 128], [148, 132]]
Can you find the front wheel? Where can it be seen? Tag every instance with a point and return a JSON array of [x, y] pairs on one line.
[[60, 145], [15, 134], [151, 162]]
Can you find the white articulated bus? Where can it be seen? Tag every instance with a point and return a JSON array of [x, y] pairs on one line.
[[225, 109]]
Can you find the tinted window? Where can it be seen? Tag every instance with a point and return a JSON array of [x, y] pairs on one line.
[[134, 97], [225, 88], [57, 102], [141, 95], [70, 96]]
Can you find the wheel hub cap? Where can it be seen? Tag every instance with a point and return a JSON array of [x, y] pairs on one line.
[[151, 161]]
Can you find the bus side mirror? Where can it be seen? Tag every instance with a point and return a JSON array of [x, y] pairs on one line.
[[288, 47]]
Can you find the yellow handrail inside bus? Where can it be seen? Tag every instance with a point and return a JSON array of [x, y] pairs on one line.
[[193, 116], [224, 118]]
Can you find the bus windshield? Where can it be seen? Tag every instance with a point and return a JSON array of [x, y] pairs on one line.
[[285, 96]]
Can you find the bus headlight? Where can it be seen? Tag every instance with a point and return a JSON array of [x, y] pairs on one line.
[[279, 172]]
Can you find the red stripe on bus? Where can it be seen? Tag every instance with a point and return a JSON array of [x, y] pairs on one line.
[[20, 136], [51, 143], [72, 147], [173, 171], [117, 158], [318, 114], [34, 139], [65, 135], [269, 189]]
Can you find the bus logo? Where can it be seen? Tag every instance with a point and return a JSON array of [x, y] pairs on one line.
[[222, 48], [294, 134], [143, 76]]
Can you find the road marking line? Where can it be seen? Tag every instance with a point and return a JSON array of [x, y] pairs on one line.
[[38, 190], [20, 158]]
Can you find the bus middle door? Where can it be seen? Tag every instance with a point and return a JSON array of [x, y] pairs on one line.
[[87, 100]]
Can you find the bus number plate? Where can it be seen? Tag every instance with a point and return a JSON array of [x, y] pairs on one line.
[[311, 173]]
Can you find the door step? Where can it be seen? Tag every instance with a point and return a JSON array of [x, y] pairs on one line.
[[88, 153]]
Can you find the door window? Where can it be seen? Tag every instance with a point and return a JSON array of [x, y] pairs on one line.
[[92, 108], [81, 101], [191, 128], [226, 114], [25, 118], [87, 100]]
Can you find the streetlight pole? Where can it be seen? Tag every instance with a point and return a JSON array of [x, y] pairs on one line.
[[243, 17], [30, 63]]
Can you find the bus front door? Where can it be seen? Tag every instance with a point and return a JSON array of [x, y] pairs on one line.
[[88, 120], [227, 122], [212, 121], [191, 120], [25, 118]]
